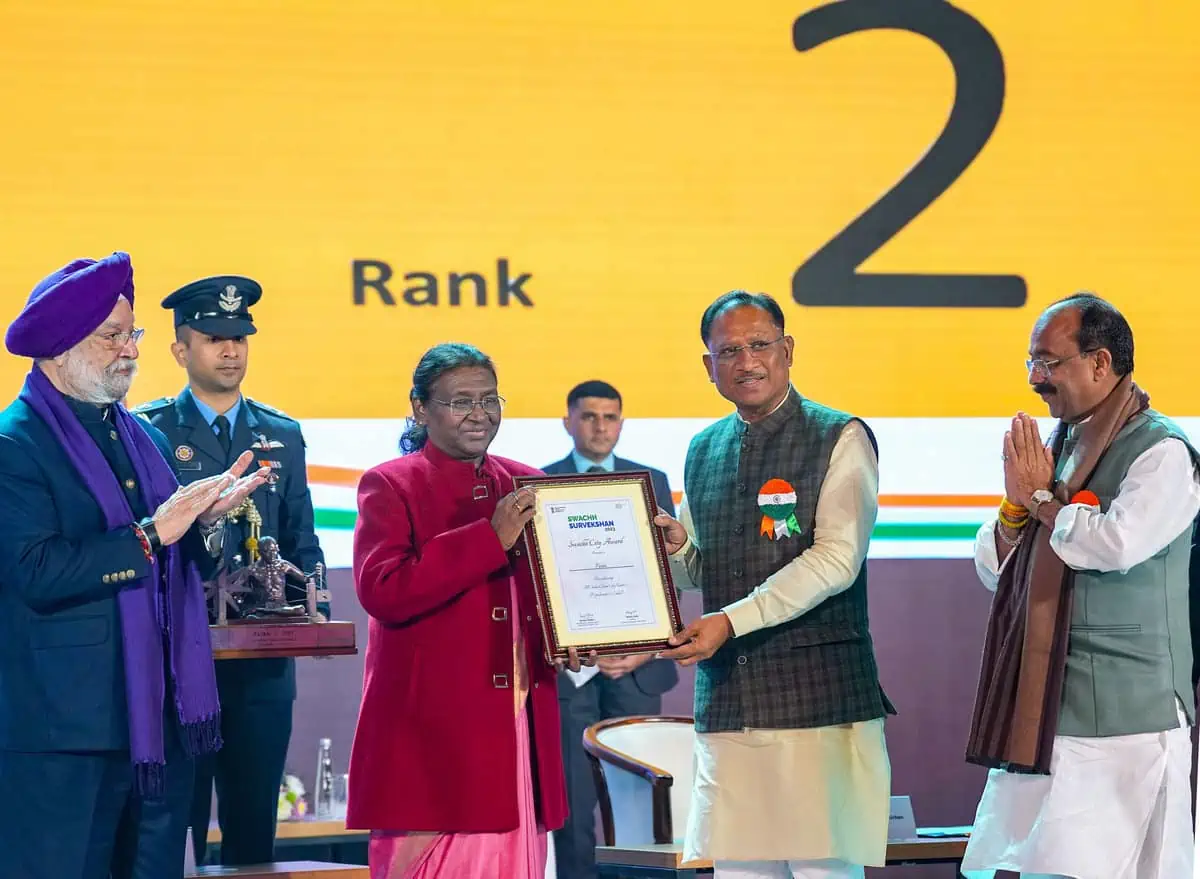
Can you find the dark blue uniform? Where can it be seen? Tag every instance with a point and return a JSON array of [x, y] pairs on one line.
[[256, 694], [64, 731]]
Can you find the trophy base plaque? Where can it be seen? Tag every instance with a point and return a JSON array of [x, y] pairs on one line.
[[256, 639]]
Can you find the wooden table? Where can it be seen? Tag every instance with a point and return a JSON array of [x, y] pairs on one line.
[[307, 839], [286, 870], [648, 860], [927, 850], [667, 860], [307, 829]]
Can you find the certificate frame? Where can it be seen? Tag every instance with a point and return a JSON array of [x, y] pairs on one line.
[[637, 487]]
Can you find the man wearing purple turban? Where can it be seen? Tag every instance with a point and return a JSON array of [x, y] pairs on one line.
[[107, 689]]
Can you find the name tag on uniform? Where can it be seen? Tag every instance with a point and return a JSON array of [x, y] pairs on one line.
[[185, 458]]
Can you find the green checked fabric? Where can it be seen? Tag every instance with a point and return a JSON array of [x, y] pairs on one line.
[[816, 670]]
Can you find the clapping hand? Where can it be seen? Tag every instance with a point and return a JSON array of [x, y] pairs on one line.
[[237, 489], [179, 512]]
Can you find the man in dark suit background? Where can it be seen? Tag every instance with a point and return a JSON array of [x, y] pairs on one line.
[[107, 689], [209, 423], [618, 686]]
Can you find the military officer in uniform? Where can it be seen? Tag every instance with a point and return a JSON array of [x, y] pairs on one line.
[[209, 424]]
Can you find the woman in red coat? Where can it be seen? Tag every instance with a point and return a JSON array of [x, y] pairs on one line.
[[456, 766]]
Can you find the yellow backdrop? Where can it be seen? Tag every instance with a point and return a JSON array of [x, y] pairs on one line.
[[635, 158]]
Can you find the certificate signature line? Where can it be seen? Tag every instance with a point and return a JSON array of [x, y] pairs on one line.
[[601, 568]]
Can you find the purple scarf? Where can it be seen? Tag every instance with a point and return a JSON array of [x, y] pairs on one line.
[[168, 605]]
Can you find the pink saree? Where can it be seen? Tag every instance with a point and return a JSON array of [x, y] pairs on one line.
[[516, 854]]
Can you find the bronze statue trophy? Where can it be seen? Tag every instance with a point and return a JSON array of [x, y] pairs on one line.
[[258, 591], [263, 622]]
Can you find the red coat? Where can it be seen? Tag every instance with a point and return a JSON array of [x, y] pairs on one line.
[[435, 747]]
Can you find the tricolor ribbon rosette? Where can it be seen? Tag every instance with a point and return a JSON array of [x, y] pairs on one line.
[[777, 500]]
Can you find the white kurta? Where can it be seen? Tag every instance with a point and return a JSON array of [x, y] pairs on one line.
[[798, 794], [1116, 807]]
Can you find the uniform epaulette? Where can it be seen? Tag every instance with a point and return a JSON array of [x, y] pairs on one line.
[[153, 405], [271, 409]]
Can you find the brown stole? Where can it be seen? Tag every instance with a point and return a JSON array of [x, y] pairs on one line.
[[1025, 648]]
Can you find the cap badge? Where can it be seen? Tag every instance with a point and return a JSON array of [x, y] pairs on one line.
[[229, 300]]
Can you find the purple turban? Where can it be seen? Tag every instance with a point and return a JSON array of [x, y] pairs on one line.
[[67, 306]]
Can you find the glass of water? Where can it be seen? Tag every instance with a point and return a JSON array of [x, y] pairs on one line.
[[341, 796]]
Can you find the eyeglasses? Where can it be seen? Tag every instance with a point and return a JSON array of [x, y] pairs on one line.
[[729, 353], [464, 406], [120, 340], [1045, 367]]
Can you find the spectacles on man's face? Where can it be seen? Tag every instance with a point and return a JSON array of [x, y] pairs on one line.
[[117, 341], [464, 406], [1046, 367], [758, 348]]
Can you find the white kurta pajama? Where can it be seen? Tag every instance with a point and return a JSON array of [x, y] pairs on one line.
[[808, 803], [1116, 807]]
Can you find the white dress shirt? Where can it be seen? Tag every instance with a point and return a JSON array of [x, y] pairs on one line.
[[1115, 807], [1148, 512]]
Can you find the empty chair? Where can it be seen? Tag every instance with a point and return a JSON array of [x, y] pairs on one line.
[[643, 772]]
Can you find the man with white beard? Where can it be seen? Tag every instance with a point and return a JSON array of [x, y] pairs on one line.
[[107, 688]]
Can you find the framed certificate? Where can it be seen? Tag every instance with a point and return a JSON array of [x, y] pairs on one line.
[[599, 564]]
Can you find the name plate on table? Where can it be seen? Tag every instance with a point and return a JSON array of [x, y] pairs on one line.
[[599, 564], [902, 823], [259, 640]]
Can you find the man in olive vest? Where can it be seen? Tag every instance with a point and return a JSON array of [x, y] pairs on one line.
[[1085, 697], [792, 773]]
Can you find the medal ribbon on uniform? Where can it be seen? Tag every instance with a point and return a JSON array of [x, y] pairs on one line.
[[777, 500]]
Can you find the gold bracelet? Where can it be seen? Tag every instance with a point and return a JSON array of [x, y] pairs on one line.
[[1013, 510], [1015, 524]]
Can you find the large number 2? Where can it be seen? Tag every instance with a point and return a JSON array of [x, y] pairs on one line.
[[830, 276]]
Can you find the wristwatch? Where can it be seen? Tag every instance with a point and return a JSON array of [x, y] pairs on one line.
[[1039, 497], [213, 536]]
